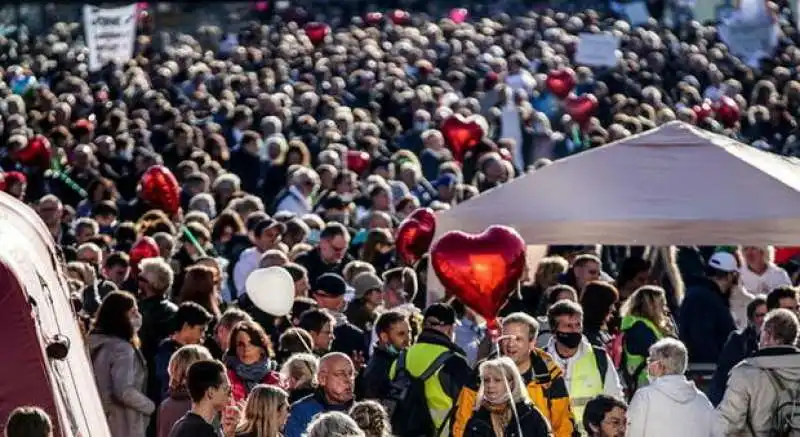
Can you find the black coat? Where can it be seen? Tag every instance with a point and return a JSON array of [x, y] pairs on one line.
[[376, 374], [532, 423], [740, 345]]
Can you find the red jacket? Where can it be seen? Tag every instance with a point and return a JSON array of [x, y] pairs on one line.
[[239, 389]]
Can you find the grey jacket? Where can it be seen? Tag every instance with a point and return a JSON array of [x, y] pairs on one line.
[[121, 374], [751, 395]]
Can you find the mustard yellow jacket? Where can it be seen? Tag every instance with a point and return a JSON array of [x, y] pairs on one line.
[[546, 388]]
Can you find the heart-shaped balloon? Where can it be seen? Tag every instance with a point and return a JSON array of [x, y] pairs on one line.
[[145, 247], [316, 32], [461, 134], [561, 82], [400, 17], [415, 234], [357, 161], [728, 112], [459, 15], [36, 153], [480, 270], [581, 108], [159, 188], [703, 111], [373, 18]]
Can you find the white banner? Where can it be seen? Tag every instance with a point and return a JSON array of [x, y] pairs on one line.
[[597, 50], [110, 34], [750, 37]]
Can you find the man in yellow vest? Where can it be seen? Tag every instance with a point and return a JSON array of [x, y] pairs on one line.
[[444, 385], [588, 370], [544, 380]]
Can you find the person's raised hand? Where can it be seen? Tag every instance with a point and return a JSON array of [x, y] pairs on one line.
[[231, 417]]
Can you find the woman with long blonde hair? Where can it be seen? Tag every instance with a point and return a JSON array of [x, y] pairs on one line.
[[645, 320], [178, 402], [265, 413], [503, 407]]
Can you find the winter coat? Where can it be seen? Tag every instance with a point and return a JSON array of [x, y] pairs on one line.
[[751, 394], [670, 406], [705, 322], [376, 375], [172, 409], [531, 421], [303, 412], [121, 376], [740, 345]]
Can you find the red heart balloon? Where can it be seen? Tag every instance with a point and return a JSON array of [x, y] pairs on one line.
[[358, 161], [316, 32], [561, 82], [36, 154], [703, 110], [159, 188], [461, 134], [581, 108], [400, 17], [728, 112], [415, 234], [373, 18], [480, 270], [146, 247]]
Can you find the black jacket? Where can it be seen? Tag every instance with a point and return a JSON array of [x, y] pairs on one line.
[[376, 374], [157, 324], [531, 420], [740, 345], [705, 322], [316, 267]]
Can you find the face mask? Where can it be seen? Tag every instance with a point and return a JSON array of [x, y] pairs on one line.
[[136, 321], [393, 349], [569, 339], [500, 399]]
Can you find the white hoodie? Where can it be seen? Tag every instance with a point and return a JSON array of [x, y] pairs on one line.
[[670, 406]]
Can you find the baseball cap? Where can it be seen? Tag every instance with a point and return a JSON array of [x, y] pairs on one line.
[[332, 284], [366, 282], [269, 223], [724, 262], [441, 313]]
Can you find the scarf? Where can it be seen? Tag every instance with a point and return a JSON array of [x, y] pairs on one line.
[[251, 374], [500, 416]]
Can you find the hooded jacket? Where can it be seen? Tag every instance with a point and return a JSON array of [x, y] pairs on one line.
[[751, 395], [670, 406]]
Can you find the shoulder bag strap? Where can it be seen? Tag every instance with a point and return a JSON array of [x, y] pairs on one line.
[[437, 364]]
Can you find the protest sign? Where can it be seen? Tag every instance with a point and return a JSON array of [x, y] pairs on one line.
[[110, 34], [597, 50], [636, 12], [751, 36]]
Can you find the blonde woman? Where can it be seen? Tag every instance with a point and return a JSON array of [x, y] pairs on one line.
[[265, 413], [178, 402], [371, 417], [503, 408], [300, 371], [645, 320]]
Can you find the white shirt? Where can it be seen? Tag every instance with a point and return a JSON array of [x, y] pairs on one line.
[[295, 202], [772, 278]]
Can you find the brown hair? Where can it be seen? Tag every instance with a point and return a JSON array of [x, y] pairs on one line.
[[199, 287], [258, 337]]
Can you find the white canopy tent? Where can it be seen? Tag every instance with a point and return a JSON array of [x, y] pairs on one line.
[[675, 185]]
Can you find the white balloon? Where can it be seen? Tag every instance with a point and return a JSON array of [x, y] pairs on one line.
[[271, 290]]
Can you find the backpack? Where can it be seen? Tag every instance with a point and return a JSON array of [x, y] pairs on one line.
[[786, 416], [406, 404]]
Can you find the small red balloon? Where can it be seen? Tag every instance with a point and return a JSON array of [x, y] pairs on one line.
[[581, 108], [461, 134], [316, 32], [36, 154], [703, 111], [373, 18], [480, 270], [145, 247], [159, 188], [400, 17], [358, 161], [415, 235], [728, 112], [561, 82]]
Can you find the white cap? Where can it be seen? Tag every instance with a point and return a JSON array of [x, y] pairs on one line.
[[723, 261]]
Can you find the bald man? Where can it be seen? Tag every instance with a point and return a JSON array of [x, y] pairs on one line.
[[336, 377]]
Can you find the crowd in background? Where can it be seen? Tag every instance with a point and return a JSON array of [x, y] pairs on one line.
[[263, 130]]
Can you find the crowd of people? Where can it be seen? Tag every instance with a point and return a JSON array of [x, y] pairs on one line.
[[307, 156]]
